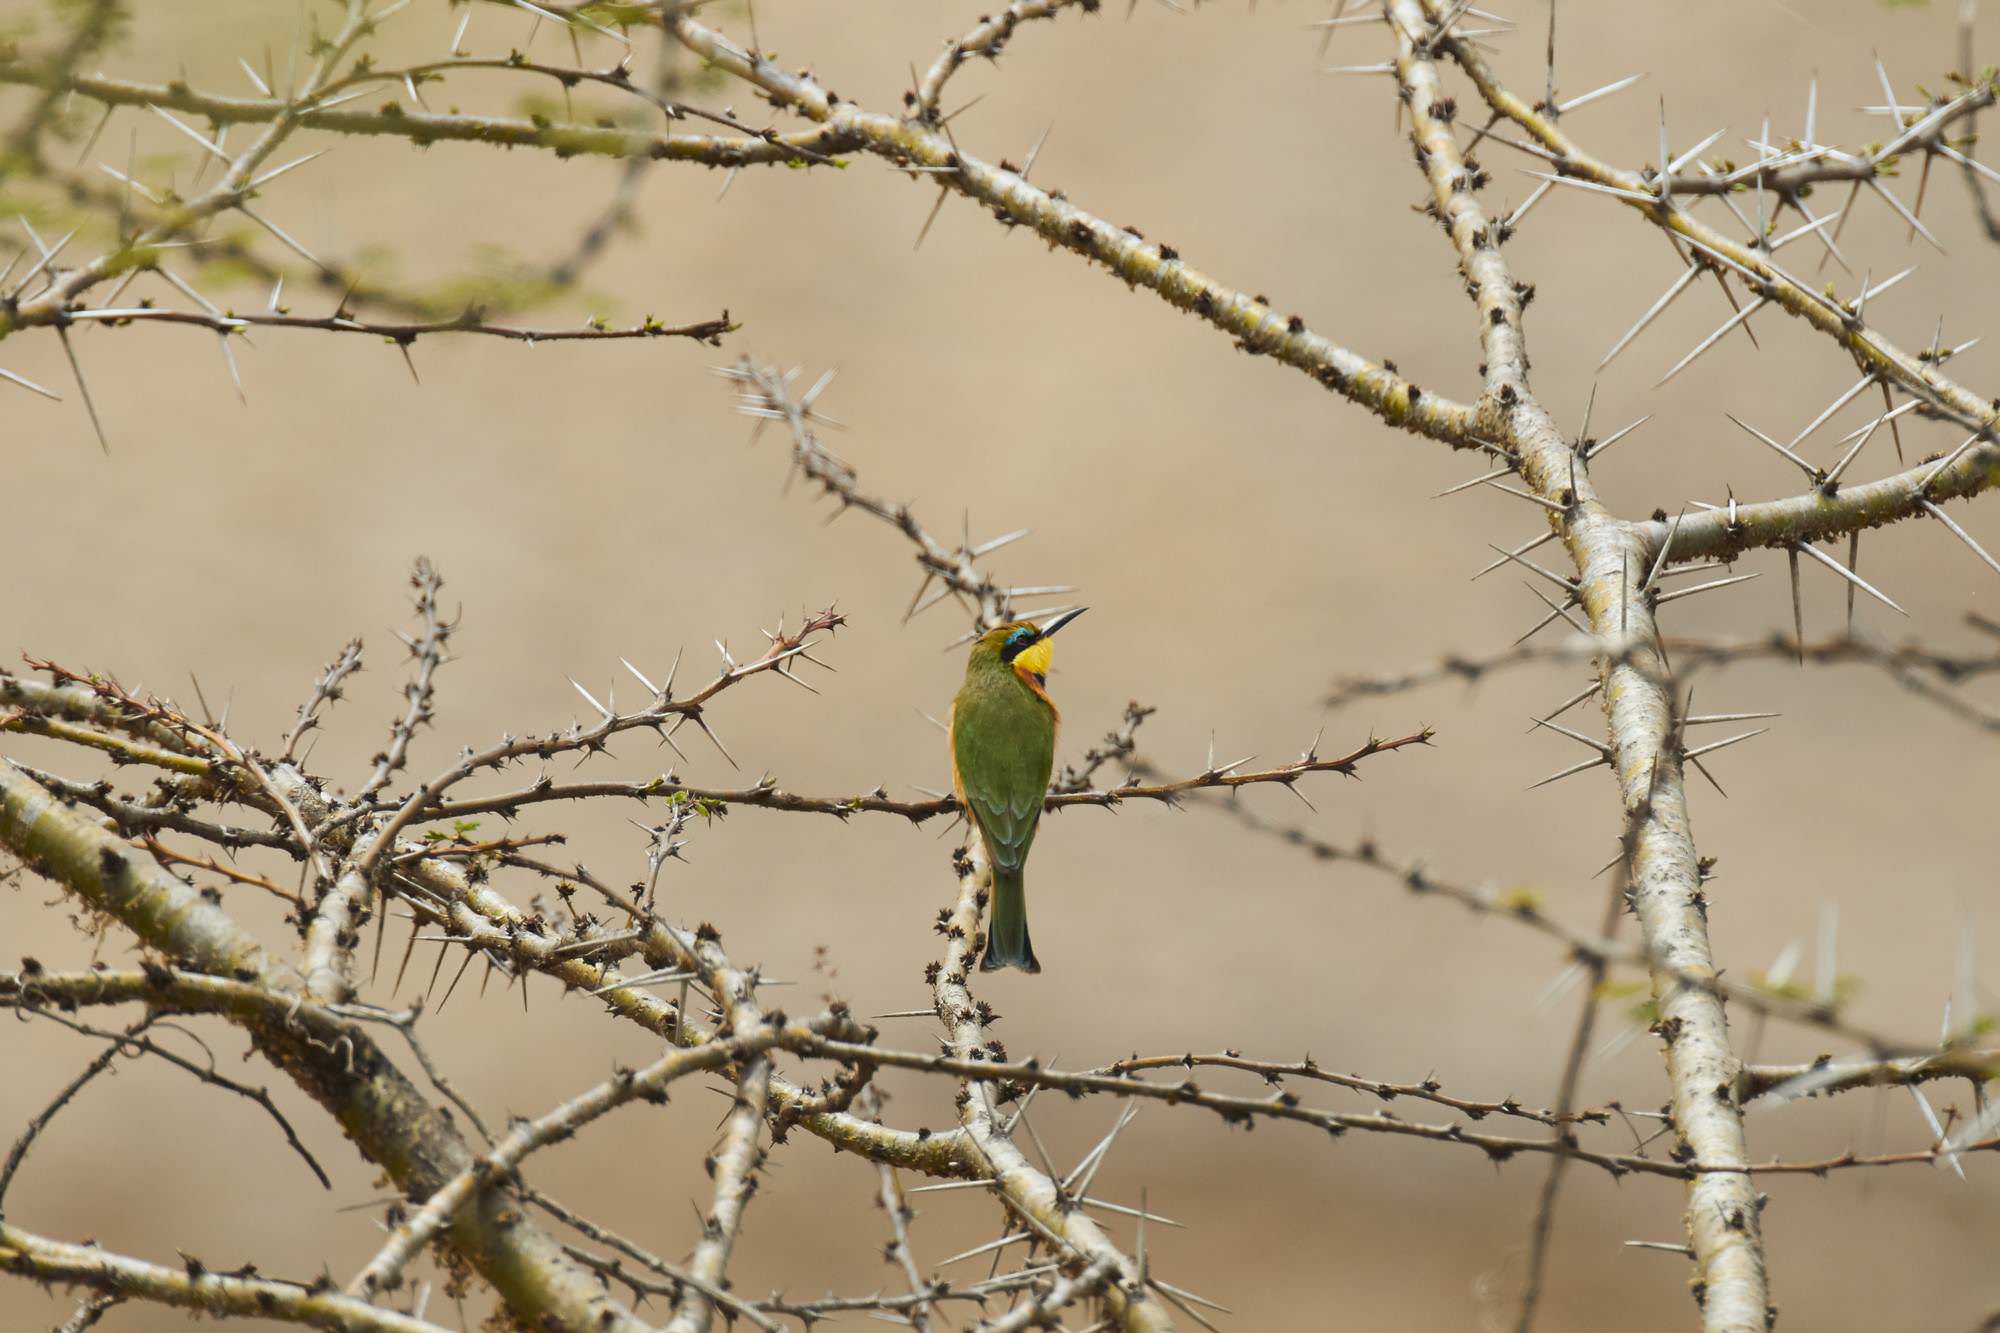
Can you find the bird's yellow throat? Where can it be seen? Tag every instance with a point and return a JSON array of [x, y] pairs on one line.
[[1034, 659]]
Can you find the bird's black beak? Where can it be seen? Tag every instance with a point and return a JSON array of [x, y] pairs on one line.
[[1062, 620]]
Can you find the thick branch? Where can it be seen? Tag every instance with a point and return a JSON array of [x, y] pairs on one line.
[[1722, 1209], [389, 1120], [1827, 1075], [1724, 531], [1140, 263], [194, 1287]]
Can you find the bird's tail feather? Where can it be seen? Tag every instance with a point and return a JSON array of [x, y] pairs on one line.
[[1007, 943]]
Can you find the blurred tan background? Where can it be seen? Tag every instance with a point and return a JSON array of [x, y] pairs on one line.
[[1242, 537]]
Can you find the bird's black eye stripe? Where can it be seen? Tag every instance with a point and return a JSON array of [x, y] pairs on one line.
[[1016, 641]]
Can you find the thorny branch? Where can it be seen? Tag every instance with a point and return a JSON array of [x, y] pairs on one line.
[[334, 1061], [1644, 750], [765, 394], [1932, 674], [767, 795], [192, 1286], [1034, 1197], [914, 143], [365, 851]]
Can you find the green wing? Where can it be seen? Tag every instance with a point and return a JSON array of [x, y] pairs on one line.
[[1003, 740]]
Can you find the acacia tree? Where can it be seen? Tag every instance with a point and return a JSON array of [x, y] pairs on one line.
[[158, 867]]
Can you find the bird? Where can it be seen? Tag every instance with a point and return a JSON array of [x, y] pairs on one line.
[[1003, 748]]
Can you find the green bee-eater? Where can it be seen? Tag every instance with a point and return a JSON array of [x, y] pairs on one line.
[[1003, 748]]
